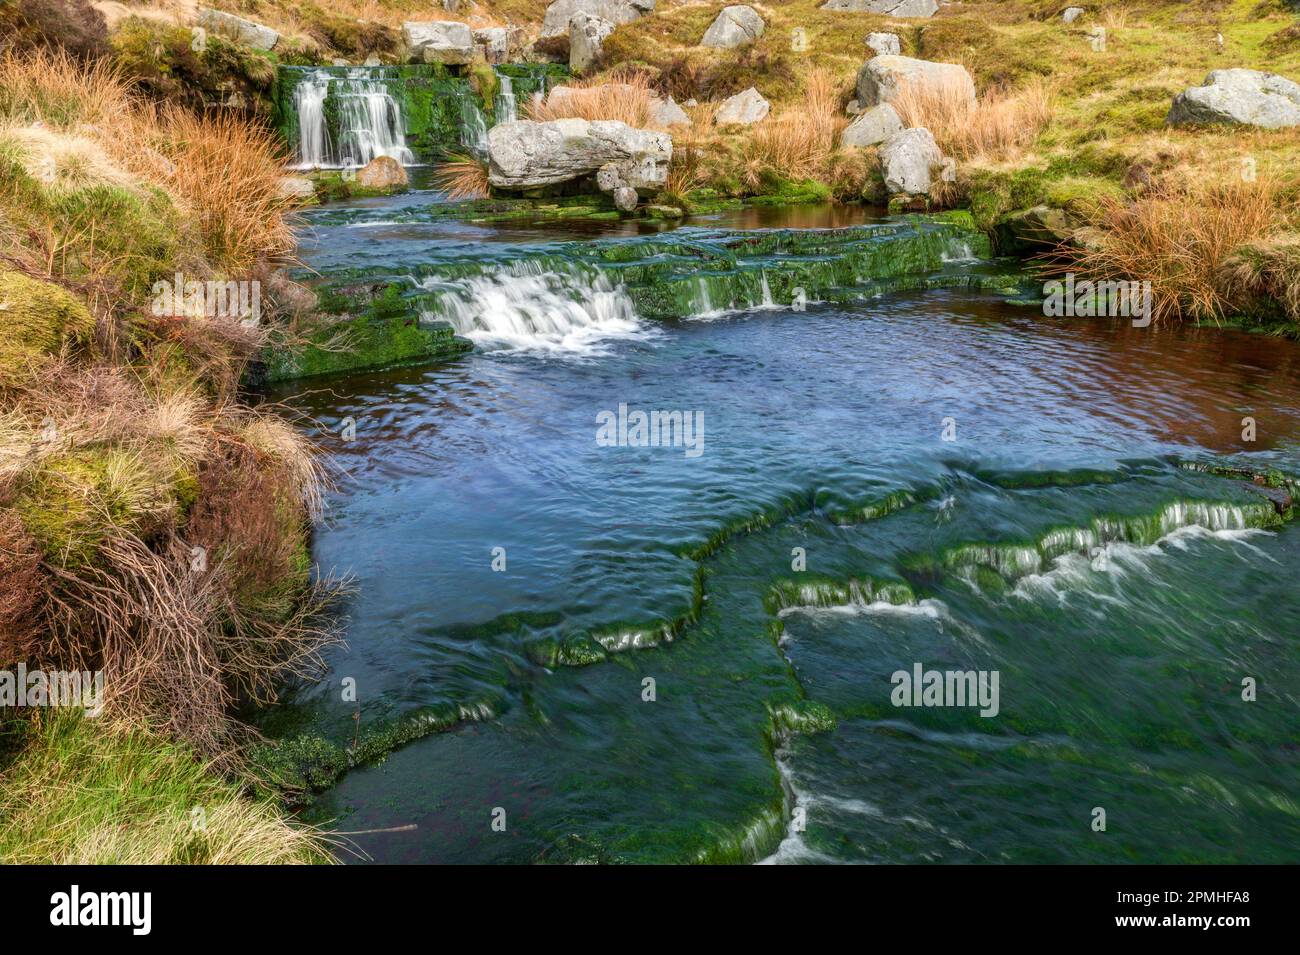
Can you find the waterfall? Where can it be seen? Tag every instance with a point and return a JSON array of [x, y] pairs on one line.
[[507, 111], [369, 120], [536, 307], [473, 127]]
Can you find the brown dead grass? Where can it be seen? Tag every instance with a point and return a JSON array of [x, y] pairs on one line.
[[999, 126], [625, 97], [463, 177]]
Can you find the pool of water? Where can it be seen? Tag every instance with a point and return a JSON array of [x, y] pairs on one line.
[[688, 652]]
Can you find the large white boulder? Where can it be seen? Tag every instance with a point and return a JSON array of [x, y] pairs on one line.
[[735, 26], [883, 77], [872, 127], [493, 43], [1239, 97], [586, 34], [554, 37], [238, 29], [437, 41], [893, 8], [908, 159], [527, 154], [743, 109]]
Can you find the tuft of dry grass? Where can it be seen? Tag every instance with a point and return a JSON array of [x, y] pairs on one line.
[[1178, 236], [626, 98], [462, 177], [799, 143], [998, 126]]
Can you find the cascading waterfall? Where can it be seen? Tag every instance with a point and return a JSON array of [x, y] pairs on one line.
[[507, 110], [473, 127], [534, 306], [370, 121]]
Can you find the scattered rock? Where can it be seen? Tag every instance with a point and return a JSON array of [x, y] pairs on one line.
[[663, 212], [586, 34], [743, 109], [884, 44], [907, 158], [854, 108], [893, 8], [238, 29], [554, 37], [692, 102], [881, 79], [873, 127], [735, 26], [493, 43], [373, 60], [1071, 14], [1240, 97], [526, 154], [437, 41], [668, 113], [382, 172], [297, 187], [625, 199]]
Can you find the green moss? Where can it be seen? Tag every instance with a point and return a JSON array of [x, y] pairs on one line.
[[36, 319], [75, 499]]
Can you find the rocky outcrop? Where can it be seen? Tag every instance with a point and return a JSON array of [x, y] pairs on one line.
[[872, 127], [1239, 97], [382, 172], [554, 37], [893, 8], [1035, 230], [884, 44], [908, 160], [238, 29], [881, 79], [1071, 14], [743, 109], [527, 154], [437, 41], [735, 26], [586, 34]]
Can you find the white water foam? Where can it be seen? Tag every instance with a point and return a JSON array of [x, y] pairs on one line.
[[370, 121], [530, 308]]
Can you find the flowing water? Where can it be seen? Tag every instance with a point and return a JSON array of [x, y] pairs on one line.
[[369, 120], [880, 474]]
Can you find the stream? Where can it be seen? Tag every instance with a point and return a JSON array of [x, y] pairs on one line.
[[686, 652]]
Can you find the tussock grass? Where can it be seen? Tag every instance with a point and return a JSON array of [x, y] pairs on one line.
[[625, 97], [1179, 236], [463, 177], [97, 792], [998, 126]]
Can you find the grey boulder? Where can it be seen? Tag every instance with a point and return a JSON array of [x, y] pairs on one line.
[[883, 77], [668, 113], [884, 44], [735, 26], [238, 29], [586, 34], [526, 154], [554, 37], [743, 109], [1239, 97], [907, 160], [437, 41], [872, 127], [893, 8]]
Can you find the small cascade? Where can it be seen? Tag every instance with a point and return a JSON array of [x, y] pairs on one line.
[[537, 308], [473, 127], [367, 121], [507, 110]]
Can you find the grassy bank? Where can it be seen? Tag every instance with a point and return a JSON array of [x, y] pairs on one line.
[[152, 526]]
